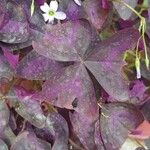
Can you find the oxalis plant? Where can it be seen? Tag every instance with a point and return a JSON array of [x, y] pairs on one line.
[[74, 74]]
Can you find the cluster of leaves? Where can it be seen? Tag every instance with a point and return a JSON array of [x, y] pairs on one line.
[[72, 84]]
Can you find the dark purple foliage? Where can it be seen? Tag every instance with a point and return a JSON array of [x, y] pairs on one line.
[[29, 141], [71, 84], [117, 120], [6, 72]]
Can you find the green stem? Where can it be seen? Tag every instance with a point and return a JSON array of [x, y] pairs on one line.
[[142, 29], [32, 7]]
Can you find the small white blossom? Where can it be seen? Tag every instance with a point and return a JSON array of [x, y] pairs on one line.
[[78, 2], [50, 12]]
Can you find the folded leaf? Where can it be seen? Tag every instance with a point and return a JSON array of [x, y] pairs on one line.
[[58, 126], [3, 146], [11, 58], [84, 129], [4, 116], [28, 141], [96, 14], [28, 108], [19, 32], [6, 72], [116, 121], [97, 137]]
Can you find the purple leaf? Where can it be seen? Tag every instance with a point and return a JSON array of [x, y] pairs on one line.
[[65, 42], [138, 94], [63, 5], [16, 30], [36, 22], [25, 28], [6, 72], [106, 62], [84, 129], [11, 58], [3, 146], [124, 12], [97, 137], [57, 125], [96, 14], [15, 46], [72, 89], [14, 34], [145, 110], [116, 121], [125, 23], [45, 134], [105, 4], [110, 78], [34, 34], [3, 14], [8, 135], [40, 2], [74, 12], [28, 141], [28, 108], [36, 67], [4, 116]]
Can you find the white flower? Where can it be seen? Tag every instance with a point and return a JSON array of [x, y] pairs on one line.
[[78, 2], [50, 12]]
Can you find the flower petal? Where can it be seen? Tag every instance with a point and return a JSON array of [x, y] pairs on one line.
[[60, 15], [46, 17], [51, 19], [45, 8], [54, 5], [78, 2]]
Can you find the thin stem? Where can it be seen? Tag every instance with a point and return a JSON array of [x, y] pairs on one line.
[[137, 46], [145, 47], [142, 29]]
